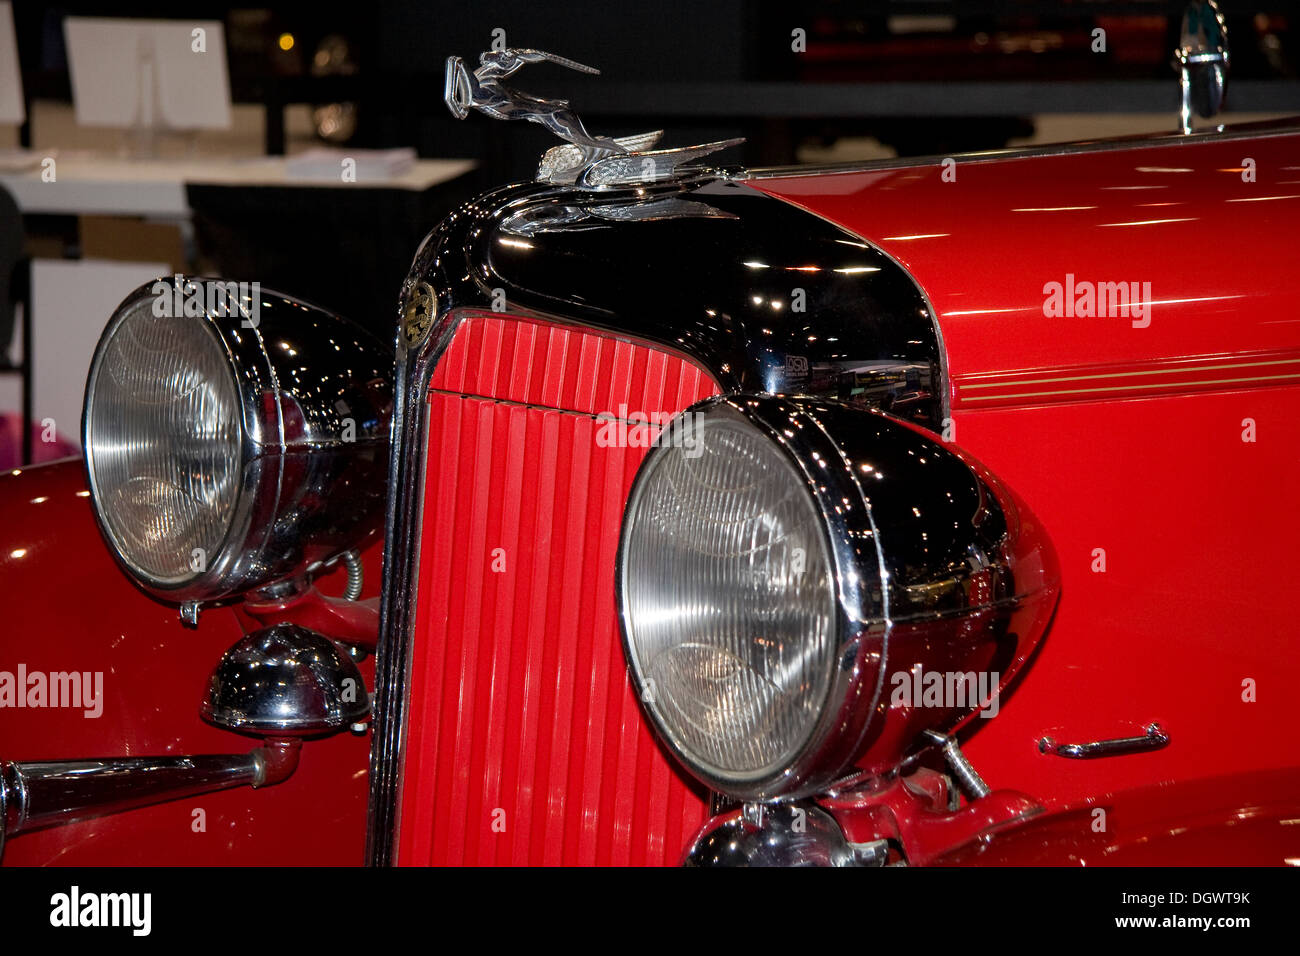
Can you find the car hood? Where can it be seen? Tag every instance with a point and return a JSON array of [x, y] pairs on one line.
[[1198, 228]]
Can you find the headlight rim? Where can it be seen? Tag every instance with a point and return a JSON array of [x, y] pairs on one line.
[[819, 757], [241, 508]]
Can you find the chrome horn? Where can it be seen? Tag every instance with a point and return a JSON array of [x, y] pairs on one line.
[[285, 681]]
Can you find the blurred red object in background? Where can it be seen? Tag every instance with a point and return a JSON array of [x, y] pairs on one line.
[[11, 442]]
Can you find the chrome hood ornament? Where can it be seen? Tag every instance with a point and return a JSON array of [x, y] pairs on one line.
[[585, 159], [484, 91]]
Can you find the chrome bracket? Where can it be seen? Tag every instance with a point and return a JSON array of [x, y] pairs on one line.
[[754, 815], [967, 776]]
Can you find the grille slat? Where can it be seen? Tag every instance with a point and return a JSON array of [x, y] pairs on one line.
[[520, 699]]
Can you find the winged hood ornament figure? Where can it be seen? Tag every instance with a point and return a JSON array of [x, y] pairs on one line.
[[585, 159]]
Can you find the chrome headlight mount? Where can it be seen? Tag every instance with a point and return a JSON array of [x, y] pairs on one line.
[[234, 437], [781, 558]]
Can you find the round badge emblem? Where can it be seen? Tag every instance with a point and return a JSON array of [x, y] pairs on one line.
[[418, 313]]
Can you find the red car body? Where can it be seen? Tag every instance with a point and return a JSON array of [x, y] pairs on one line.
[[1122, 438], [1159, 458]]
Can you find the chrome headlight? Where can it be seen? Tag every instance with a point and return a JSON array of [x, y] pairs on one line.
[[770, 575], [729, 594], [233, 436]]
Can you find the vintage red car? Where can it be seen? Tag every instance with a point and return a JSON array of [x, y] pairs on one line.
[[924, 511]]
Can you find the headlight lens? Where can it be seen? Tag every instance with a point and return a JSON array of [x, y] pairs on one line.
[[728, 598], [163, 442]]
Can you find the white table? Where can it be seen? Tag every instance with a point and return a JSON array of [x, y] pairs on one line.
[[92, 184]]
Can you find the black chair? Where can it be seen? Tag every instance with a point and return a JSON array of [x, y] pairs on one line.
[[15, 287]]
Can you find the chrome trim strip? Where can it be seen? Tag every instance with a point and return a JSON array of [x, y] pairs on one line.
[[445, 255], [1159, 378]]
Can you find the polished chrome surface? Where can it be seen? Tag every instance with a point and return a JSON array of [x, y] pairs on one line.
[[8, 782], [285, 680], [561, 164], [784, 834], [315, 398], [35, 794], [649, 166], [1202, 61], [483, 90], [922, 543], [678, 268], [971, 782], [1153, 737], [356, 575], [719, 802], [585, 159], [544, 220]]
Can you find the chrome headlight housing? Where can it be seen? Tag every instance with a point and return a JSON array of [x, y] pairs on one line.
[[779, 557], [233, 436]]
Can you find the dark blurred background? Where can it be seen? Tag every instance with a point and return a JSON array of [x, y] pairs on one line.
[[921, 76]]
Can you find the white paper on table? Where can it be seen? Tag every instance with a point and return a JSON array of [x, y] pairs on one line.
[[146, 73]]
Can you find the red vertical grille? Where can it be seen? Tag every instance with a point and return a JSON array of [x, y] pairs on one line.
[[525, 743]]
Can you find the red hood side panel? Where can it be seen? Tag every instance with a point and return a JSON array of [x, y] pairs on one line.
[[1174, 517], [984, 240], [1220, 821]]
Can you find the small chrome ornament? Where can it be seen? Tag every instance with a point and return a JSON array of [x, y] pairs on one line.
[[646, 167], [585, 160], [1201, 61]]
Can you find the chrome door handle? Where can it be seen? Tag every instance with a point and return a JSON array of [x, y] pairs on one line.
[[1153, 738]]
